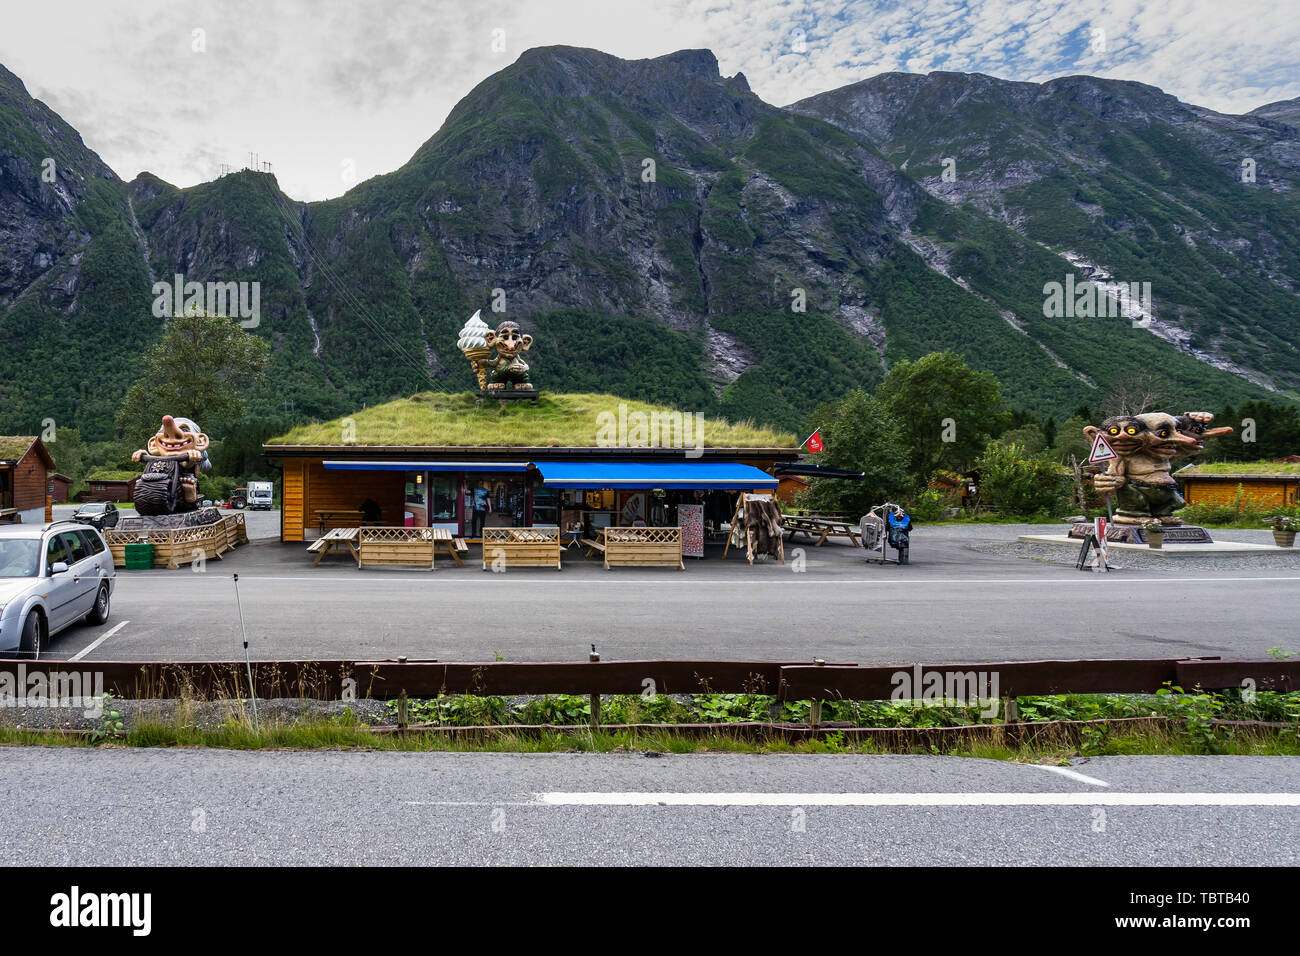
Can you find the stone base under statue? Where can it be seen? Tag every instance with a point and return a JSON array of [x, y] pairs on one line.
[[508, 395], [185, 519], [1133, 533]]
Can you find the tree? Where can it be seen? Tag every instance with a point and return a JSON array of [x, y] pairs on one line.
[[1028, 437], [1016, 483], [1136, 392], [859, 435], [1070, 440], [946, 410], [201, 369]]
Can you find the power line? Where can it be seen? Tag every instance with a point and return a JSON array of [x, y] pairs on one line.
[[343, 292]]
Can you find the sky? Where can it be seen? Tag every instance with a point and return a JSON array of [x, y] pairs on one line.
[[332, 92]]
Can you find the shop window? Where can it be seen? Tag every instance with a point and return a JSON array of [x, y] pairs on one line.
[[442, 498]]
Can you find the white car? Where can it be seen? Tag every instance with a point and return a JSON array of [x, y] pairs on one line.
[[51, 577]]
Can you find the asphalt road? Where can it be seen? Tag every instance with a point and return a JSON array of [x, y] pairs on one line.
[[204, 807], [954, 603]]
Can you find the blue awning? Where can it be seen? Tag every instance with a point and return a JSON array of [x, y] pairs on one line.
[[426, 465], [684, 475]]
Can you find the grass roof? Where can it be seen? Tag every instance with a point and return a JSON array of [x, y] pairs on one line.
[[13, 447], [1242, 468], [434, 418], [112, 474]]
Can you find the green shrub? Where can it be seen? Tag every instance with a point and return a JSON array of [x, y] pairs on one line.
[[1014, 483]]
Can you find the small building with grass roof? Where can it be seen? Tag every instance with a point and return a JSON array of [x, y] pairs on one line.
[[25, 467], [1266, 484], [459, 463]]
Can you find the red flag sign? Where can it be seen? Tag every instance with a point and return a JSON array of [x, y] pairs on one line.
[[814, 442]]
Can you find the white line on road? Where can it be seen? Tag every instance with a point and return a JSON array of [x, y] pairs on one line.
[[1067, 772], [641, 582], [99, 640], [642, 799]]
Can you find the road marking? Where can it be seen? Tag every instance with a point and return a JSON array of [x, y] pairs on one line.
[[764, 582], [1067, 772], [642, 799], [99, 640]]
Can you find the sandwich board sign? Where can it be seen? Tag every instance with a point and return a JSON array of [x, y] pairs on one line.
[[1101, 450]]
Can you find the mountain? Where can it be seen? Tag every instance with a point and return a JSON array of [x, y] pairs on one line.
[[653, 222], [1283, 111], [1121, 179]]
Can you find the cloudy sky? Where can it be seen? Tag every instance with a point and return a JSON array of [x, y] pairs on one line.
[[331, 92]]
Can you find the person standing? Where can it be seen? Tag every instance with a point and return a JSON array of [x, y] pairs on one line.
[[482, 505]]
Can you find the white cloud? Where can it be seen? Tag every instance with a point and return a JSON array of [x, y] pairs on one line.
[[308, 85]]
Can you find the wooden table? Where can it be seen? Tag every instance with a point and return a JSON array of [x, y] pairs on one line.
[[336, 539], [821, 529], [324, 515], [444, 539]]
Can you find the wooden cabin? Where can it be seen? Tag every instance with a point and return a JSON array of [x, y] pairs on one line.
[[25, 466], [1264, 484]]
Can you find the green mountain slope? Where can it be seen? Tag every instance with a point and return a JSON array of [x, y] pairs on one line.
[[665, 234]]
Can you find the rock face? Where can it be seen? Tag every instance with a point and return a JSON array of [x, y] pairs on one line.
[[666, 234], [1122, 175]]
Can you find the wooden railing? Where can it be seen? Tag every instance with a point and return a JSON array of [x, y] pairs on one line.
[[643, 547], [505, 548]]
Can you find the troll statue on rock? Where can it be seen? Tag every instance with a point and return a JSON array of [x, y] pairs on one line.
[[1145, 445], [173, 460]]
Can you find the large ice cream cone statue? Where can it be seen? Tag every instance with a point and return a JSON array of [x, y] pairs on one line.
[[473, 343]]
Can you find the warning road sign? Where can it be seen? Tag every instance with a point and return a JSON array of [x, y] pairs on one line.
[[1101, 450]]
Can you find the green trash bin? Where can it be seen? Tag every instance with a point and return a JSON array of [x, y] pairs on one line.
[[139, 556]]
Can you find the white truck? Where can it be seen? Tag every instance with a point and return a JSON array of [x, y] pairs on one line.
[[259, 495]]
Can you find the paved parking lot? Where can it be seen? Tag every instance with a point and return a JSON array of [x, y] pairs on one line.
[[961, 600]]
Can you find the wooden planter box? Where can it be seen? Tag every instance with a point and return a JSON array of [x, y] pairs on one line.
[[177, 546], [395, 547], [521, 548], [643, 547]]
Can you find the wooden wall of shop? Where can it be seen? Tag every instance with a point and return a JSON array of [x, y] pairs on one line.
[[1265, 492], [309, 486]]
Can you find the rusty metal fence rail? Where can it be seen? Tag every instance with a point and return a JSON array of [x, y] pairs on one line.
[[786, 680]]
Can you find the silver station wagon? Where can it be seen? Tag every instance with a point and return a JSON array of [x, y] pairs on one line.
[[51, 577]]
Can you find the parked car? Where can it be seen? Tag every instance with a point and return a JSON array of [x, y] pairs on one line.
[[97, 514], [51, 577]]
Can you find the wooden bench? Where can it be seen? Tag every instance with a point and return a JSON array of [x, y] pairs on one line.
[[521, 548], [643, 547], [395, 547]]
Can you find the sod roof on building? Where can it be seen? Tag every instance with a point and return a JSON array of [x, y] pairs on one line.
[[1230, 469], [13, 447], [435, 419]]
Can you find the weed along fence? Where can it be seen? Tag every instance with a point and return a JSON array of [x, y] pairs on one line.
[[787, 681], [173, 547]]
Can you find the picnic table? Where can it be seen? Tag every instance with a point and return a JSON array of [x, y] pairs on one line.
[[336, 539], [327, 515], [820, 528]]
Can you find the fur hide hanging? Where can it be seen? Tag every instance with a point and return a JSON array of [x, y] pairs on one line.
[[763, 521]]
